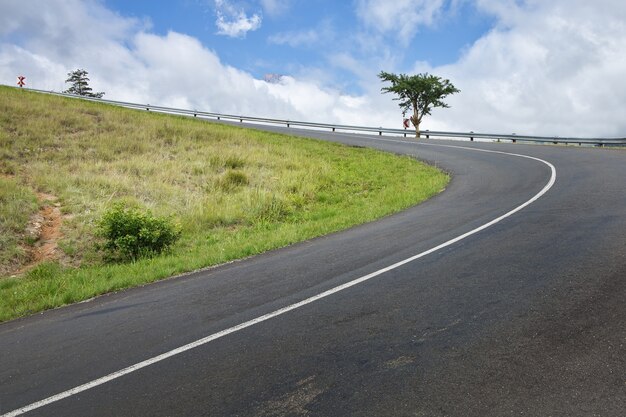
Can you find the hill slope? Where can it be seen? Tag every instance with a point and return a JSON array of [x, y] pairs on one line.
[[236, 192]]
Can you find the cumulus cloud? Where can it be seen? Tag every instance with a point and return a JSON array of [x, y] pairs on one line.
[[401, 18], [552, 68], [234, 22], [46, 40], [132, 64]]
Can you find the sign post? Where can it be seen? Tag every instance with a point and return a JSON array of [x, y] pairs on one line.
[[20, 81]]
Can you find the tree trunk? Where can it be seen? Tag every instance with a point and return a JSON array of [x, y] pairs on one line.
[[415, 119]]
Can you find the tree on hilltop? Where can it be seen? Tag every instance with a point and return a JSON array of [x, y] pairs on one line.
[[420, 93], [80, 84]]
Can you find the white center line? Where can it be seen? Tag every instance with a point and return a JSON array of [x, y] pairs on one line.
[[207, 339]]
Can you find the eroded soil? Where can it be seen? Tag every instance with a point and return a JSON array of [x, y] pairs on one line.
[[44, 229]]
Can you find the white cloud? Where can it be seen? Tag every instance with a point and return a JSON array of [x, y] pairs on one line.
[[295, 39], [311, 37], [401, 18], [46, 40], [234, 22], [276, 7], [552, 68], [138, 66]]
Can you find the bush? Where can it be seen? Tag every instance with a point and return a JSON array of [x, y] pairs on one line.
[[131, 233]]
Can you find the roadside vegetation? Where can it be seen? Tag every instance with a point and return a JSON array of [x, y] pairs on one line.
[[17, 205], [230, 192]]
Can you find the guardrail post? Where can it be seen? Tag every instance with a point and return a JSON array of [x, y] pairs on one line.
[[240, 120], [471, 137], [147, 107], [333, 129], [287, 124], [427, 135], [380, 132]]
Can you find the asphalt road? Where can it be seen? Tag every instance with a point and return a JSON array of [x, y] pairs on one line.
[[526, 317]]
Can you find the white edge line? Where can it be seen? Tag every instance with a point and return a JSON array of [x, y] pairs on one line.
[[214, 336]]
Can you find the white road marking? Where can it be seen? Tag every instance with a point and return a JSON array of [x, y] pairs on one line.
[[205, 340]]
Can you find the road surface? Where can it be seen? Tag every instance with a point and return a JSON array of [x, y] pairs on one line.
[[524, 316]]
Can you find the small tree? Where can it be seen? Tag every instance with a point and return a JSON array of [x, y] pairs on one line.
[[80, 84], [420, 93]]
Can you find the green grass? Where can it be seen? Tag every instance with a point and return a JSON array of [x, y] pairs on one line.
[[17, 204], [235, 192]]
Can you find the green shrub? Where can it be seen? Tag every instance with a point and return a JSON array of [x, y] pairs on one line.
[[131, 233]]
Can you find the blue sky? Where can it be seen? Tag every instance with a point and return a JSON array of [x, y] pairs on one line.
[[258, 52], [523, 66]]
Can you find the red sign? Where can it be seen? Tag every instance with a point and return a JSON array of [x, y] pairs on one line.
[[405, 122], [20, 81]]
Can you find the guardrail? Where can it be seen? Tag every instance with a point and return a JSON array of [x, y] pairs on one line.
[[348, 128]]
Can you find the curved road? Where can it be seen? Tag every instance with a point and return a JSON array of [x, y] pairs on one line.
[[526, 317]]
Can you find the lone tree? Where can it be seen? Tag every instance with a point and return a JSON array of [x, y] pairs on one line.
[[80, 84], [421, 93]]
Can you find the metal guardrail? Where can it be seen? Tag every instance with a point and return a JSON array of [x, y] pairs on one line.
[[514, 138]]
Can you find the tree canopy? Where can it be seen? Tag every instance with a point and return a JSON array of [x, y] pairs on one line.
[[420, 93], [80, 84]]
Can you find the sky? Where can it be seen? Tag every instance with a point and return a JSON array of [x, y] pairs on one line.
[[539, 67]]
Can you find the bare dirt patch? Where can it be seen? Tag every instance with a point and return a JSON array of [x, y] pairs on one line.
[[44, 229]]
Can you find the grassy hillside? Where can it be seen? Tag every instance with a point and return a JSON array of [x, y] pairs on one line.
[[235, 192]]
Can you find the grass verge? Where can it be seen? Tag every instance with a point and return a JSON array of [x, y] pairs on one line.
[[235, 192], [17, 205]]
